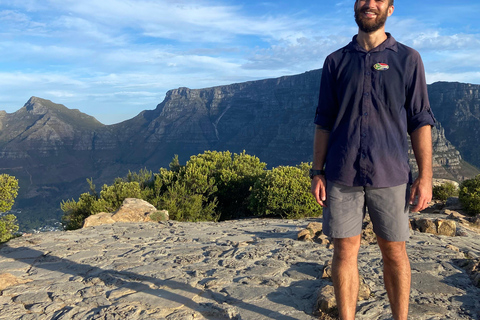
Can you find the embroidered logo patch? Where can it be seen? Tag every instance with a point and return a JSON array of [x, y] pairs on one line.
[[381, 66]]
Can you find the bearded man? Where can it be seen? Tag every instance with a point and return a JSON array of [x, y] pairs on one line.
[[372, 94]]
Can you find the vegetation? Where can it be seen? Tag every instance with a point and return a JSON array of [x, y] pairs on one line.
[[469, 195], [8, 193], [444, 191], [283, 192], [211, 186]]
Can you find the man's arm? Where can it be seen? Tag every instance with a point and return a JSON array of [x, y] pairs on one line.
[[320, 145], [421, 193]]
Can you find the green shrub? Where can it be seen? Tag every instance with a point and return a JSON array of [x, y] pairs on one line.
[[8, 192], [445, 191], [284, 192], [211, 186], [469, 195], [160, 215], [8, 227]]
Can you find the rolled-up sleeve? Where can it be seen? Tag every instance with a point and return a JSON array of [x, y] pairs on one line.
[[419, 113], [327, 103]]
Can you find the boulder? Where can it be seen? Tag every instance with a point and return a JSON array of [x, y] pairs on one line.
[[134, 210], [439, 182], [311, 232], [305, 235], [326, 299], [316, 227], [446, 227], [425, 225], [98, 219], [364, 291]]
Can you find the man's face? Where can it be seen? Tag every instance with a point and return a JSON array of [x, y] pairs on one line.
[[371, 15]]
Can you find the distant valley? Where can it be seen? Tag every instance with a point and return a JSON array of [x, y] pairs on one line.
[[52, 150]]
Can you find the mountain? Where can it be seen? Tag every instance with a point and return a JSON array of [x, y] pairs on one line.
[[52, 150], [457, 107]]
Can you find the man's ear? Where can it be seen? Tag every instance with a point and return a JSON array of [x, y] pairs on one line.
[[390, 10]]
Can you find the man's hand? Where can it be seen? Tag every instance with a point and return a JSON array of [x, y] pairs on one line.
[[421, 194], [319, 189]]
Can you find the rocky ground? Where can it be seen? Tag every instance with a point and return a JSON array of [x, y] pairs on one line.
[[246, 269]]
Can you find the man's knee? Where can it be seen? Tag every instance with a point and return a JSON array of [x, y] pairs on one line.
[[346, 248], [393, 251]]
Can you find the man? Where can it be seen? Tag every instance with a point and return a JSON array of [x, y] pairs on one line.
[[373, 92]]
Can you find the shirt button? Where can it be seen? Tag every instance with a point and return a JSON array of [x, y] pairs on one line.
[[365, 114], [366, 94], [363, 156], [367, 73], [368, 54], [364, 135]]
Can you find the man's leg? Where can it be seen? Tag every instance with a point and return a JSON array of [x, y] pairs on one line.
[[397, 276], [345, 275]]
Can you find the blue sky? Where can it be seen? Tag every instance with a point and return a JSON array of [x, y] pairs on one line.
[[114, 58]]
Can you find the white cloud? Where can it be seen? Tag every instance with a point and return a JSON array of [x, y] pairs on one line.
[[127, 53]]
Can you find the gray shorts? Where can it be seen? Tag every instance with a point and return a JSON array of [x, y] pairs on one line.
[[346, 207]]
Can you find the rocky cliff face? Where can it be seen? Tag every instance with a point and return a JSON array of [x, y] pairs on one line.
[[53, 149], [457, 107]]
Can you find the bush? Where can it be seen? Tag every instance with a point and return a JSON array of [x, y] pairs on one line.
[[8, 192], [8, 227], [469, 195], [445, 191], [284, 192], [211, 186]]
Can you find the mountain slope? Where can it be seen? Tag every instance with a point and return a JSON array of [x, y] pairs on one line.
[[52, 150]]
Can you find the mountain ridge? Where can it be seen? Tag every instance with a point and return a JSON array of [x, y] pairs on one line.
[[53, 149]]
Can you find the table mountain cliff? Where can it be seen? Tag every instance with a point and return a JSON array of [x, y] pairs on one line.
[[52, 150]]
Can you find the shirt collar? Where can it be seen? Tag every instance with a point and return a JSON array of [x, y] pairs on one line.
[[390, 43]]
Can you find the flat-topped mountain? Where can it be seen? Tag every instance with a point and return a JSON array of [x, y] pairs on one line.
[[52, 150]]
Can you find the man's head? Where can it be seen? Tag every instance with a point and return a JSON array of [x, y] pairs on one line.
[[371, 15]]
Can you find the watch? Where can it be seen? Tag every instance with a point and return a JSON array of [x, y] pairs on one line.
[[312, 173]]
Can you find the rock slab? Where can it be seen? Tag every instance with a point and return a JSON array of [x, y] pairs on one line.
[[248, 269]]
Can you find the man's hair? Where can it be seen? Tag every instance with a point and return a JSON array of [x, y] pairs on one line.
[[390, 2]]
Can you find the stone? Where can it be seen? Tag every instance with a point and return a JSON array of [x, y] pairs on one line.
[[322, 239], [446, 227], [316, 227], [452, 247], [364, 291], [327, 272], [134, 210], [98, 219], [426, 225], [305, 235], [326, 299], [8, 280]]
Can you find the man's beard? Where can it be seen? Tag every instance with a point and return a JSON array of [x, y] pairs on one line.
[[368, 26]]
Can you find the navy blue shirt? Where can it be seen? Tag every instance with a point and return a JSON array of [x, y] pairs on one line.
[[369, 101]]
